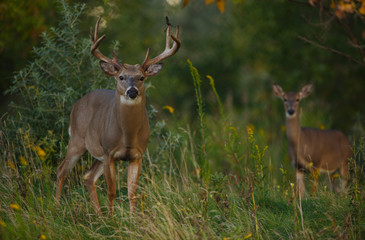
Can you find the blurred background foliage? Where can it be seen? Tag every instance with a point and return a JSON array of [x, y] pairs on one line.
[[245, 45]]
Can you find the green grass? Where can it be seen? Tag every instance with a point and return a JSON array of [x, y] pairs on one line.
[[173, 202], [221, 177]]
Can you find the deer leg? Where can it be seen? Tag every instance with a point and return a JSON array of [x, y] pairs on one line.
[[315, 175], [90, 178], [109, 172], [300, 183], [74, 152], [134, 170], [344, 172]]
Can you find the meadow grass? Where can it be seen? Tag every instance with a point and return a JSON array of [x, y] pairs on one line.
[[244, 194]]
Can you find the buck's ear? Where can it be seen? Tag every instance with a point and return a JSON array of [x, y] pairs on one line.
[[305, 91], [153, 70], [108, 68], [278, 91]]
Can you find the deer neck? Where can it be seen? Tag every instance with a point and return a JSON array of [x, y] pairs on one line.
[[130, 116], [293, 130]]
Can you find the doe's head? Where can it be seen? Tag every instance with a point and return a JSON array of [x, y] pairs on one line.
[[291, 99]]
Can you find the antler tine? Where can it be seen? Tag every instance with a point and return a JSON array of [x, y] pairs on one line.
[[169, 51], [95, 45]]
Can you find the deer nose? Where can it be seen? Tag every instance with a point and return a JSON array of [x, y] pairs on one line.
[[132, 93], [291, 111]]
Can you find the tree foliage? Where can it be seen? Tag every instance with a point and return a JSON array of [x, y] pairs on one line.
[[62, 71]]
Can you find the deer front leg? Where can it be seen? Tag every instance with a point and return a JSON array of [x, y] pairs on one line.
[[109, 172], [300, 183], [134, 171]]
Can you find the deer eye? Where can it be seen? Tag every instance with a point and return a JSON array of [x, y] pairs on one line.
[[142, 78], [121, 77], [297, 99]]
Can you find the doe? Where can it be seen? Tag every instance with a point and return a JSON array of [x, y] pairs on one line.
[[312, 149], [113, 125]]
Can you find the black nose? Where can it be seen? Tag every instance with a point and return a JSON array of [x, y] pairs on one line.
[[132, 93], [291, 112]]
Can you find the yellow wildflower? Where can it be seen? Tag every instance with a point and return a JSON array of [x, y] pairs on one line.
[[321, 127], [249, 129], [23, 161], [169, 108], [11, 164], [247, 236], [2, 223], [335, 176], [40, 152], [292, 185], [42, 236], [310, 164], [283, 128], [14, 206]]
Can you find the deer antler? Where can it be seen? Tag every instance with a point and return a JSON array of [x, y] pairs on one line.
[[168, 51], [95, 46]]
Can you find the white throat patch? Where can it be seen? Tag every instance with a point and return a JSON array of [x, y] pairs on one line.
[[129, 101]]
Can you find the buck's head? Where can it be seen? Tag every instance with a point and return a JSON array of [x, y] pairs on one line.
[[130, 78], [291, 99]]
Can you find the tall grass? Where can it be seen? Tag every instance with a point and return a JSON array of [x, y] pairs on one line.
[[217, 178]]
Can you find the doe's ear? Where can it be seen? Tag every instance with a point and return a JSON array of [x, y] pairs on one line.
[[278, 91], [108, 68], [305, 91], [153, 70]]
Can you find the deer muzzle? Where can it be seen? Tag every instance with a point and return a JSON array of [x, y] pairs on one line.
[[132, 92], [291, 112]]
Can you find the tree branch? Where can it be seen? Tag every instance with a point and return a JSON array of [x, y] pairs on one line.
[[332, 50]]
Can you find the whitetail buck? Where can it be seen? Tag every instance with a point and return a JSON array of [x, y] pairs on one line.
[[312, 149], [113, 125]]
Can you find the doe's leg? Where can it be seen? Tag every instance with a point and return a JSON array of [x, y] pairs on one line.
[[344, 172], [300, 183]]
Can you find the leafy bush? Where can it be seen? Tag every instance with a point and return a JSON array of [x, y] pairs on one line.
[[62, 71]]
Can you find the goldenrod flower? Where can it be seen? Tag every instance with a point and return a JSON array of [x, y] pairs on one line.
[[292, 185], [249, 129], [310, 164], [40, 152], [2, 223], [283, 128], [247, 236], [169, 108], [11, 164], [14, 206], [23, 161], [232, 128], [42, 236], [335, 176]]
